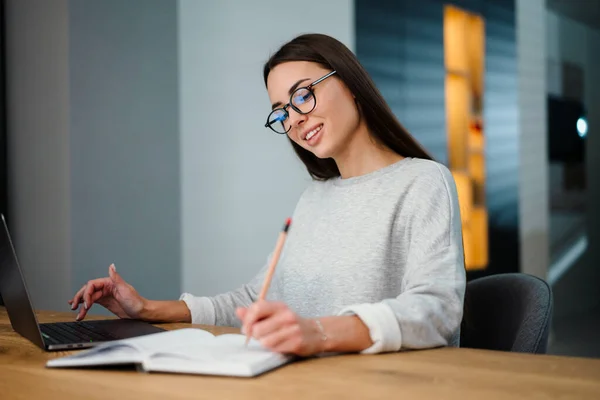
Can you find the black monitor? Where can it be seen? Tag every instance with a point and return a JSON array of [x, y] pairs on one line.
[[567, 130]]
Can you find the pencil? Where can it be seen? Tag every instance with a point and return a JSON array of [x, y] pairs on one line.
[[272, 264]]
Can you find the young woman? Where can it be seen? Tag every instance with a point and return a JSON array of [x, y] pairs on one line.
[[374, 259]]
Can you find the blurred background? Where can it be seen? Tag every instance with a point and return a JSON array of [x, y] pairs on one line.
[[133, 132]]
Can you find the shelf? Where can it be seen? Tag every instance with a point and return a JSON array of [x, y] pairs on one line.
[[464, 53], [460, 74]]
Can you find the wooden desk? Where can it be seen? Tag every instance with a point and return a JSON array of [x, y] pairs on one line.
[[445, 373]]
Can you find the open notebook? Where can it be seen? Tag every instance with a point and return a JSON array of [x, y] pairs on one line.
[[187, 351]]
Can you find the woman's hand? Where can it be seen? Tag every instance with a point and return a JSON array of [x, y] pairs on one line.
[[113, 293], [279, 329]]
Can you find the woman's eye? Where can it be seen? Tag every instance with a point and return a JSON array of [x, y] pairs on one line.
[[302, 97]]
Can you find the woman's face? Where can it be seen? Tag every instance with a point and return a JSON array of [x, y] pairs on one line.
[[328, 129]]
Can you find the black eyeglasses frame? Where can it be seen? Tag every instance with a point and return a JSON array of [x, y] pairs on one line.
[[288, 105]]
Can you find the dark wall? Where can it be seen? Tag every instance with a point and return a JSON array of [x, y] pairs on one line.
[[401, 45], [3, 153]]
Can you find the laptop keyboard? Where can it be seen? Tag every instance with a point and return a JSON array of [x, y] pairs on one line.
[[73, 332]]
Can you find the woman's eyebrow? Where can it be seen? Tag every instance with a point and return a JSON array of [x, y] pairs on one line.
[[294, 87]]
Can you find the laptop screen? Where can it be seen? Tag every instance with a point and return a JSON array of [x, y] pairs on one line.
[[14, 291]]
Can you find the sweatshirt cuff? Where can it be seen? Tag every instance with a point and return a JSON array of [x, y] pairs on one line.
[[383, 326], [201, 309]]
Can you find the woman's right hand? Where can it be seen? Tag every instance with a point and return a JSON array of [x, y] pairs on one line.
[[111, 292]]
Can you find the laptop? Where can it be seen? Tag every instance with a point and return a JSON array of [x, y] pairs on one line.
[[58, 335]]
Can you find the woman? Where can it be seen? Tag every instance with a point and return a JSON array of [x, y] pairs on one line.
[[374, 259]]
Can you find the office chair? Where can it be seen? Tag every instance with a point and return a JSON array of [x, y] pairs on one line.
[[507, 312]]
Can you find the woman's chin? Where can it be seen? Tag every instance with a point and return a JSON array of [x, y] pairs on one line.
[[321, 150], [321, 153]]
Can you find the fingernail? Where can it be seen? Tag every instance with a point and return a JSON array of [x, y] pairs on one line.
[[77, 318], [243, 330], [113, 267], [85, 305]]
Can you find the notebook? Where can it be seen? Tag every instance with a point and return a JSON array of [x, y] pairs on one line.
[[185, 351]]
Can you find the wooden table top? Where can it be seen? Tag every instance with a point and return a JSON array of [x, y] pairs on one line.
[[445, 373]]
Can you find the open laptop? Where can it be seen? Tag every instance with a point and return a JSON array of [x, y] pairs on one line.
[[58, 335]]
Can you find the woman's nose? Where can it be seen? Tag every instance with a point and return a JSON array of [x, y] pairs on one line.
[[296, 119]]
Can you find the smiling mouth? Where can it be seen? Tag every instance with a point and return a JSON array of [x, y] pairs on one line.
[[312, 133]]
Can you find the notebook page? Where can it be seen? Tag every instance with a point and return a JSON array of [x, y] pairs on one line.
[[229, 348], [187, 366], [163, 341], [134, 349], [226, 355]]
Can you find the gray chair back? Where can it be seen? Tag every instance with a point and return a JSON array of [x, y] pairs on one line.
[[507, 312]]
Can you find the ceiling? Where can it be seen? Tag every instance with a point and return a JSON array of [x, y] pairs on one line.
[[585, 11]]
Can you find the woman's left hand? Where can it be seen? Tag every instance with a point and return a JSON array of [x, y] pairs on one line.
[[279, 329]]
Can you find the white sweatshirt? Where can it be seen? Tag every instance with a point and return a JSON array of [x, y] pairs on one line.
[[385, 246]]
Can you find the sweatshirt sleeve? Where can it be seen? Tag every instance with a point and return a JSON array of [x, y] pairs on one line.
[[220, 309], [428, 311]]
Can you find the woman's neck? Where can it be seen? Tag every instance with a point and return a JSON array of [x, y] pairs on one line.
[[364, 155]]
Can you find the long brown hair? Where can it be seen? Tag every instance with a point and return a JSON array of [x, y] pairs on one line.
[[383, 125]]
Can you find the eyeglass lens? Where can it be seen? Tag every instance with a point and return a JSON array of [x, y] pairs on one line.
[[302, 101]]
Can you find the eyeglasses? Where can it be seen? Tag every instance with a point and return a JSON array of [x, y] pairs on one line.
[[302, 100]]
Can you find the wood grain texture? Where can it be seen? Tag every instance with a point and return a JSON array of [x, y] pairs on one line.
[[446, 373]]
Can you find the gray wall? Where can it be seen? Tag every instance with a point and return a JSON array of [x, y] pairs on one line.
[[125, 186], [239, 180], [533, 164], [38, 145], [137, 138], [94, 144]]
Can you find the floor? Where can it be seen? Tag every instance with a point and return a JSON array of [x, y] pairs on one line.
[[566, 228], [567, 213], [576, 335], [573, 334]]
